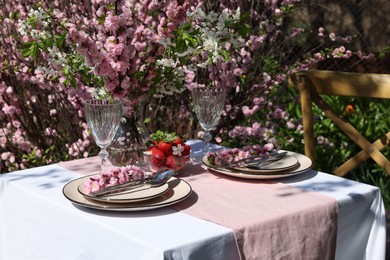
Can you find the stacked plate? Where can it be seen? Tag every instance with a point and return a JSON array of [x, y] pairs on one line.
[[290, 165], [137, 199]]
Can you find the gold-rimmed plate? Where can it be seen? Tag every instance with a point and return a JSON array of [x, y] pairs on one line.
[[178, 190], [304, 164], [127, 196]]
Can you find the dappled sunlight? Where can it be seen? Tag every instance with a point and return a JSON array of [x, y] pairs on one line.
[[53, 177]]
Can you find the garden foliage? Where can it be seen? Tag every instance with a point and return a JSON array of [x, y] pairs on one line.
[[55, 54]]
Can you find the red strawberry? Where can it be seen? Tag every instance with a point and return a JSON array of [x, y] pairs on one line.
[[158, 157], [186, 151], [173, 162], [165, 147], [176, 162], [177, 141]]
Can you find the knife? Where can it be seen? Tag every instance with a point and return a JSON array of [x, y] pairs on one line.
[[255, 161], [274, 158]]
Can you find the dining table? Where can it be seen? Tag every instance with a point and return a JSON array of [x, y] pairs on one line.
[[207, 214]]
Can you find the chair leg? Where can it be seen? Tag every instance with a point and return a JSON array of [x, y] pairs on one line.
[[361, 156], [360, 140], [307, 117]]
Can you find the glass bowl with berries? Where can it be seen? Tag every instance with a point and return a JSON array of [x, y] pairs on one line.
[[166, 150]]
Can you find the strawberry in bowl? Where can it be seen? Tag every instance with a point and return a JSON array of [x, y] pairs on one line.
[[166, 150]]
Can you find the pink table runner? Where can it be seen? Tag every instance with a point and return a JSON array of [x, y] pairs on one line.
[[270, 220]]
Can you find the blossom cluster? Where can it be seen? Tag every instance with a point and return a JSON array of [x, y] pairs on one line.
[[206, 42], [112, 177], [38, 108], [220, 157], [119, 42], [55, 54], [338, 52]]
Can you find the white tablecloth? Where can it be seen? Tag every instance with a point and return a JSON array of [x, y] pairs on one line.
[[362, 222], [38, 222]]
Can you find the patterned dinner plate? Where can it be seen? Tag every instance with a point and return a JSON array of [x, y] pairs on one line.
[[304, 164], [178, 190], [133, 195]]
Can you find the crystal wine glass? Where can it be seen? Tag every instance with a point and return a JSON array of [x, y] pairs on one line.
[[208, 103], [103, 118]]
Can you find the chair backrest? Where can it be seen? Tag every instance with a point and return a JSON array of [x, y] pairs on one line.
[[313, 83], [350, 84]]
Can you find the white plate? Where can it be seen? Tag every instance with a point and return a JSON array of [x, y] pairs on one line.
[[134, 195], [304, 165], [178, 190]]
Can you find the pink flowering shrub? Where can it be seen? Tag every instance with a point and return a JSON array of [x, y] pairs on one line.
[[55, 54], [119, 41], [40, 118], [51, 62]]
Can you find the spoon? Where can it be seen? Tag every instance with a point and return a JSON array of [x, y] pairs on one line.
[[158, 179]]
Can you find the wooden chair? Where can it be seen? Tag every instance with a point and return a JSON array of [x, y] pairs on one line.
[[313, 83]]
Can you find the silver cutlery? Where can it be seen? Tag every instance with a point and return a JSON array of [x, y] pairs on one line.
[[269, 160], [255, 162], [158, 179]]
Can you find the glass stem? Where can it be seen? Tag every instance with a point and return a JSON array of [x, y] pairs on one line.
[[103, 154], [207, 138]]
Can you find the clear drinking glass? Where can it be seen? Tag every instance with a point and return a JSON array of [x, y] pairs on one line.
[[103, 118], [208, 103]]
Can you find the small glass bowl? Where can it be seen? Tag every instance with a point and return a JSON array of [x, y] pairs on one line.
[[172, 162]]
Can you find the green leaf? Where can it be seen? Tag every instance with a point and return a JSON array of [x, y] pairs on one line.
[[25, 49], [186, 27], [244, 30], [60, 40], [225, 54], [30, 49], [43, 46], [66, 70], [163, 136], [32, 21], [245, 16], [47, 43], [181, 45], [35, 51], [72, 81], [189, 40], [101, 20], [147, 120]]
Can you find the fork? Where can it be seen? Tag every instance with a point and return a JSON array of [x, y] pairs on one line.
[[254, 162], [158, 179]]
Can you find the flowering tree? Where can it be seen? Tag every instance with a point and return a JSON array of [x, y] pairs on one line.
[[65, 53], [119, 40], [38, 110], [55, 54]]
